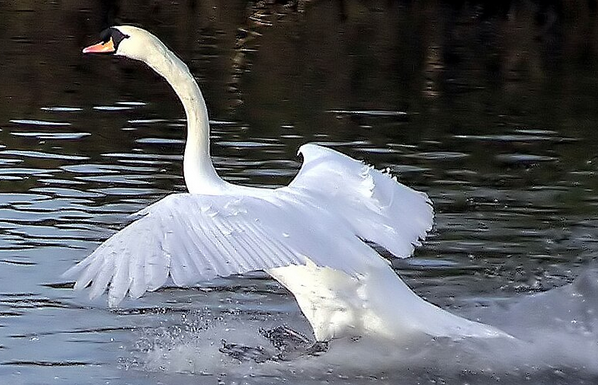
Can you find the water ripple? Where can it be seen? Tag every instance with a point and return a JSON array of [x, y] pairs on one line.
[[113, 108], [371, 113], [524, 158], [62, 109], [43, 155], [52, 135], [47, 363], [34, 122]]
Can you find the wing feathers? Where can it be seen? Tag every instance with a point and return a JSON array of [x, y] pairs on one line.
[[333, 204], [379, 208]]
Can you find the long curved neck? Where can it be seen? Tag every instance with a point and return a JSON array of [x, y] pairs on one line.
[[199, 172]]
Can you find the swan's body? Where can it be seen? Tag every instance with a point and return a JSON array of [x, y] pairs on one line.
[[309, 235]]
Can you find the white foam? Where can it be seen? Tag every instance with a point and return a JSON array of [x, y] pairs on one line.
[[557, 341]]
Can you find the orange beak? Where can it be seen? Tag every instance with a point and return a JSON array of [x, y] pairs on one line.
[[107, 47]]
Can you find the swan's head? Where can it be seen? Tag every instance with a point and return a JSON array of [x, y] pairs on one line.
[[125, 40]]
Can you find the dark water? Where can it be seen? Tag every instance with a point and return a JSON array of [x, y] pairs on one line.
[[491, 111]]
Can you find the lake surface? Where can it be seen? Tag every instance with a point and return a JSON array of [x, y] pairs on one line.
[[490, 111]]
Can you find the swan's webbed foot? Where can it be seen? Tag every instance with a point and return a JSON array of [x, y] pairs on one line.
[[245, 353], [292, 344], [317, 348], [289, 344], [283, 337]]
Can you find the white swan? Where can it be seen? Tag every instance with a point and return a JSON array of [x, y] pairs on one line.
[[310, 235]]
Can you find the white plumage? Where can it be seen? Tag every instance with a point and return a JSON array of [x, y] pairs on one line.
[[311, 235]]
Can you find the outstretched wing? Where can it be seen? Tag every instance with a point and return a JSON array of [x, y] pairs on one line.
[[193, 238], [377, 207], [324, 215]]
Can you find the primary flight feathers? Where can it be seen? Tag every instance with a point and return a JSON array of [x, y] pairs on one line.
[[325, 214]]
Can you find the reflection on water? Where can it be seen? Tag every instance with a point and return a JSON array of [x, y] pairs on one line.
[[491, 112]]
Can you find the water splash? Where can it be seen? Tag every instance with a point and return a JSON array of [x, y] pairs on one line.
[[556, 342]]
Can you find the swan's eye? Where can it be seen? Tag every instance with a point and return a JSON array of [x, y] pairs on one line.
[[113, 34], [117, 37], [105, 35]]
